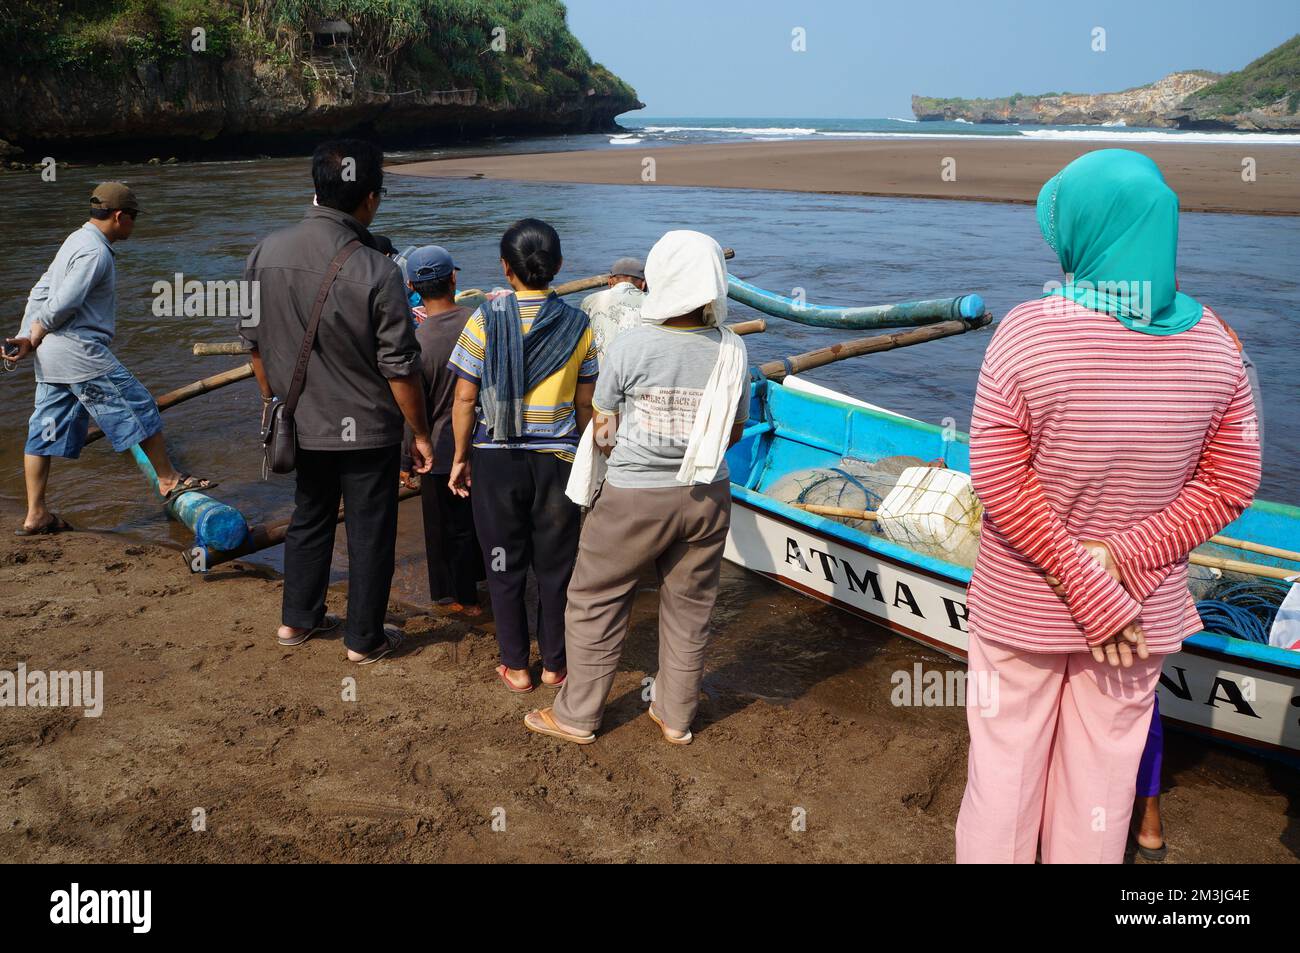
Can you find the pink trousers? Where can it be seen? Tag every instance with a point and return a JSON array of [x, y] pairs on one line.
[[1055, 742]]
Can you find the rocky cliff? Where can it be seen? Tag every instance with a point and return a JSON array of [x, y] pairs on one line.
[[1142, 106], [1264, 96], [144, 91]]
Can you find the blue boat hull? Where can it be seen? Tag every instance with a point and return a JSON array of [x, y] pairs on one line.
[[1236, 691]]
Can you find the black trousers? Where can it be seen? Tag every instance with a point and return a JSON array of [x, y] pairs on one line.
[[366, 481], [450, 546], [524, 519]]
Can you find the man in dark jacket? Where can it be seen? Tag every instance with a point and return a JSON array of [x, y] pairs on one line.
[[362, 380]]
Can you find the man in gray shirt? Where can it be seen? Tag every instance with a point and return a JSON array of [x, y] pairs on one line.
[[362, 380], [68, 327]]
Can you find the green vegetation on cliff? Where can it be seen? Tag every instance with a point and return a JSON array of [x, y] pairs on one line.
[[433, 44], [1273, 77]]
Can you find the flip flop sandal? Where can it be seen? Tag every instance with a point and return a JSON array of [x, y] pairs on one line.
[[189, 484], [393, 639], [549, 728], [501, 671], [663, 729], [57, 524], [331, 623], [563, 678]]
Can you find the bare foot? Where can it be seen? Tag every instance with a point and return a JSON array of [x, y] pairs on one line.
[[1150, 833], [37, 519], [553, 678]]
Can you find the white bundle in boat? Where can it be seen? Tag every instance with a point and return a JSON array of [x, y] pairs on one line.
[[932, 508]]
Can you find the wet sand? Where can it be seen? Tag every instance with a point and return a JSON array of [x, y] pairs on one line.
[[1207, 177], [204, 710]]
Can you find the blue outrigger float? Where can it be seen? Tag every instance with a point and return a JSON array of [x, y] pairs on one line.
[[1237, 691]]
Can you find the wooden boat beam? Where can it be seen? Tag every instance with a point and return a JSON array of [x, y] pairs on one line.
[[777, 370]]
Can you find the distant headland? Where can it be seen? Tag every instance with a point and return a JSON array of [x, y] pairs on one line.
[[1262, 97]]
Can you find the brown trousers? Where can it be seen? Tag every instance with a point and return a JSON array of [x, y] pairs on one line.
[[681, 531]]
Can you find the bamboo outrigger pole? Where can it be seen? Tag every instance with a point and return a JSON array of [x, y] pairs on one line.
[[1197, 559], [235, 348], [1260, 548], [777, 370]]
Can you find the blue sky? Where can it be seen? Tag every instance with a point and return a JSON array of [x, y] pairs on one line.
[[865, 58]]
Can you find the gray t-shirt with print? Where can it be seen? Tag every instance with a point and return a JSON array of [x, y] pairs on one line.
[[653, 377]]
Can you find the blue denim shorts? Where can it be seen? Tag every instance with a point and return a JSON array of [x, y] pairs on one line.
[[118, 402]]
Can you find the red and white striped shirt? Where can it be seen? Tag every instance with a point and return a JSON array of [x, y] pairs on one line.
[[1085, 430]]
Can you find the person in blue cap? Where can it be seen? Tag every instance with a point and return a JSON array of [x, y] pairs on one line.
[[452, 553], [417, 308]]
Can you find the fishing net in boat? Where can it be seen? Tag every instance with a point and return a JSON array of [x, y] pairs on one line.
[[928, 509], [931, 510], [851, 485]]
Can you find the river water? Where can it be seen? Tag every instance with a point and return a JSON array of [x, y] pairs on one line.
[[202, 220]]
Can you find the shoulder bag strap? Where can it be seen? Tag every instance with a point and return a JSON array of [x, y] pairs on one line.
[[304, 355]]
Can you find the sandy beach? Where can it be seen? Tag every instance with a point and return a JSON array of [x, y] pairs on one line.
[[203, 710], [1207, 177]]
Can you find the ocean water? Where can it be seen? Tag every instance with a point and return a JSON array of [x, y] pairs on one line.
[[203, 219], [669, 130]]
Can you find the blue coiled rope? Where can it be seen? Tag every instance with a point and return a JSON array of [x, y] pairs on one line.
[[1244, 610]]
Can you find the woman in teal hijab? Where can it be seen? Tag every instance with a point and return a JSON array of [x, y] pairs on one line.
[[1079, 423], [1113, 223]]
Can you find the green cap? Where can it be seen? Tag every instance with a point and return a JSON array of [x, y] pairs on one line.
[[114, 195]]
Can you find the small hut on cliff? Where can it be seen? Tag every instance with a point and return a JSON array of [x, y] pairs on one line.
[[327, 47]]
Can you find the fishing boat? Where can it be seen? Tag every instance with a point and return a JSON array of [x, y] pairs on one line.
[[1241, 692]]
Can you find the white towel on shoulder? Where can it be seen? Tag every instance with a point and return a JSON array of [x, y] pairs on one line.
[[716, 413], [588, 471]]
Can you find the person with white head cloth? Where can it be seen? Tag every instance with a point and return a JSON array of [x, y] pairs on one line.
[[671, 398]]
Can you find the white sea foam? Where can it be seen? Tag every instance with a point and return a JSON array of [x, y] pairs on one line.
[[738, 130], [1109, 132], [915, 135], [626, 140], [1158, 135]]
